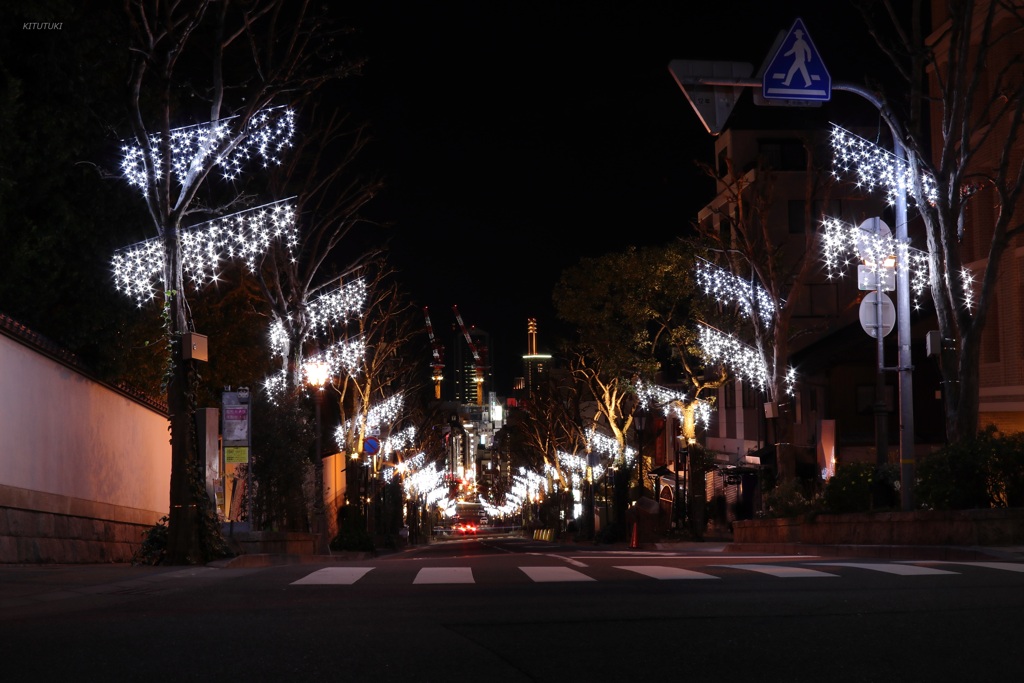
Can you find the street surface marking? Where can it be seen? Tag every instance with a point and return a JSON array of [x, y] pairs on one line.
[[781, 571], [1006, 566], [444, 575], [656, 572], [550, 574], [334, 576], [899, 569], [613, 555], [568, 560]]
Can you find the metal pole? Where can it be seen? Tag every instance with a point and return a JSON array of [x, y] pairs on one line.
[[905, 360], [318, 464], [675, 498]]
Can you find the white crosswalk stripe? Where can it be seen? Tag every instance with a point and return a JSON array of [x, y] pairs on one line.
[[898, 569], [1005, 566], [559, 573], [444, 575], [334, 576], [780, 570], [657, 572], [552, 574]]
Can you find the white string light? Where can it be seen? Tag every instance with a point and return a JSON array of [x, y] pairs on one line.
[[267, 134], [385, 411], [336, 306], [605, 445], [730, 289], [744, 361], [874, 167], [245, 235], [844, 244]]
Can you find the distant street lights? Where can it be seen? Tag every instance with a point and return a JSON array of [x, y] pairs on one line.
[[316, 376]]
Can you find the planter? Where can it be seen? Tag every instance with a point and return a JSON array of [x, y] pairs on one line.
[[273, 543], [952, 527]]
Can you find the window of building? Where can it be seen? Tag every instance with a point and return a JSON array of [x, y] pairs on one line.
[[784, 155]]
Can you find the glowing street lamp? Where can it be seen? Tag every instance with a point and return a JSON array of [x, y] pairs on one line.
[[317, 373]]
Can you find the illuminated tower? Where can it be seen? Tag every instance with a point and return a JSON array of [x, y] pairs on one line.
[[533, 362]]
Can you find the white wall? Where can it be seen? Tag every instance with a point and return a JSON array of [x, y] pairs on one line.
[[64, 434]]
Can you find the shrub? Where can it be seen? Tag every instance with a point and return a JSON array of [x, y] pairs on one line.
[[787, 499], [983, 472], [154, 544], [862, 486]]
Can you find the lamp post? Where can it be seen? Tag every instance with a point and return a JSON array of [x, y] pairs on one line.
[[640, 419], [316, 376]]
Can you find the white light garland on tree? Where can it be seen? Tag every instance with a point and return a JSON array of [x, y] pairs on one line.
[[730, 289], [244, 235], [744, 361], [844, 244], [671, 401], [399, 441], [337, 306], [652, 395], [267, 134], [343, 357], [376, 417], [274, 384], [874, 166], [384, 412], [605, 445]]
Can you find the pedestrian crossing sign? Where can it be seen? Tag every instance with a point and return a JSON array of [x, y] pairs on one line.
[[796, 72]]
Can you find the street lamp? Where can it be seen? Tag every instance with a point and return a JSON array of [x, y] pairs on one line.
[[317, 373], [640, 419]]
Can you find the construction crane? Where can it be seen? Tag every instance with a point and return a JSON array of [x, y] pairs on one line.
[[478, 363], [438, 351]]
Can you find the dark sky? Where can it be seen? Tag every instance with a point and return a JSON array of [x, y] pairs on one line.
[[520, 136]]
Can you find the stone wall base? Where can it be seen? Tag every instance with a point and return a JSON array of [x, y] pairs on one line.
[[954, 527], [35, 537]]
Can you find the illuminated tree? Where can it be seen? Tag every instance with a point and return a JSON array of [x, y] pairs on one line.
[[257, 58], [549, 423], [751, 272], [373, 391], [959, 102], [299, 283]]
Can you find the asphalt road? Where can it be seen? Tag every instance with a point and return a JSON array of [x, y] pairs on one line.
[[515, 610]]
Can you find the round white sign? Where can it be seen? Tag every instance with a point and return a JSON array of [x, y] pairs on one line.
[[869, 314]]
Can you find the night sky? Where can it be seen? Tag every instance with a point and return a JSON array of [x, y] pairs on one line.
[[520, 136]]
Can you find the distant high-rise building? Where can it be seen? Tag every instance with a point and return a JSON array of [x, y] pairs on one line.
[[471, 374]]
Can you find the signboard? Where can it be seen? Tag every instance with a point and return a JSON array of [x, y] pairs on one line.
[[236, 423], [869, 314], [236, 454], [713, 103], [371, 446], [796, 72]]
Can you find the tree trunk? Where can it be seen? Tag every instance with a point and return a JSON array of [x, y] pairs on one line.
[[183, 538]]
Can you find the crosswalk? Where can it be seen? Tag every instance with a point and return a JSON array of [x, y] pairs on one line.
[[562, 574]]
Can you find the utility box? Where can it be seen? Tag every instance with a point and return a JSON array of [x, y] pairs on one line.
[[193, 347], [933, 343]]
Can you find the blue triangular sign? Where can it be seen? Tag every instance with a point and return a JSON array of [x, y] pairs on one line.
[[796, 72]]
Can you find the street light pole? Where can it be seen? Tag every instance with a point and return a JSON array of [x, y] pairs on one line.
[[316, 375]]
